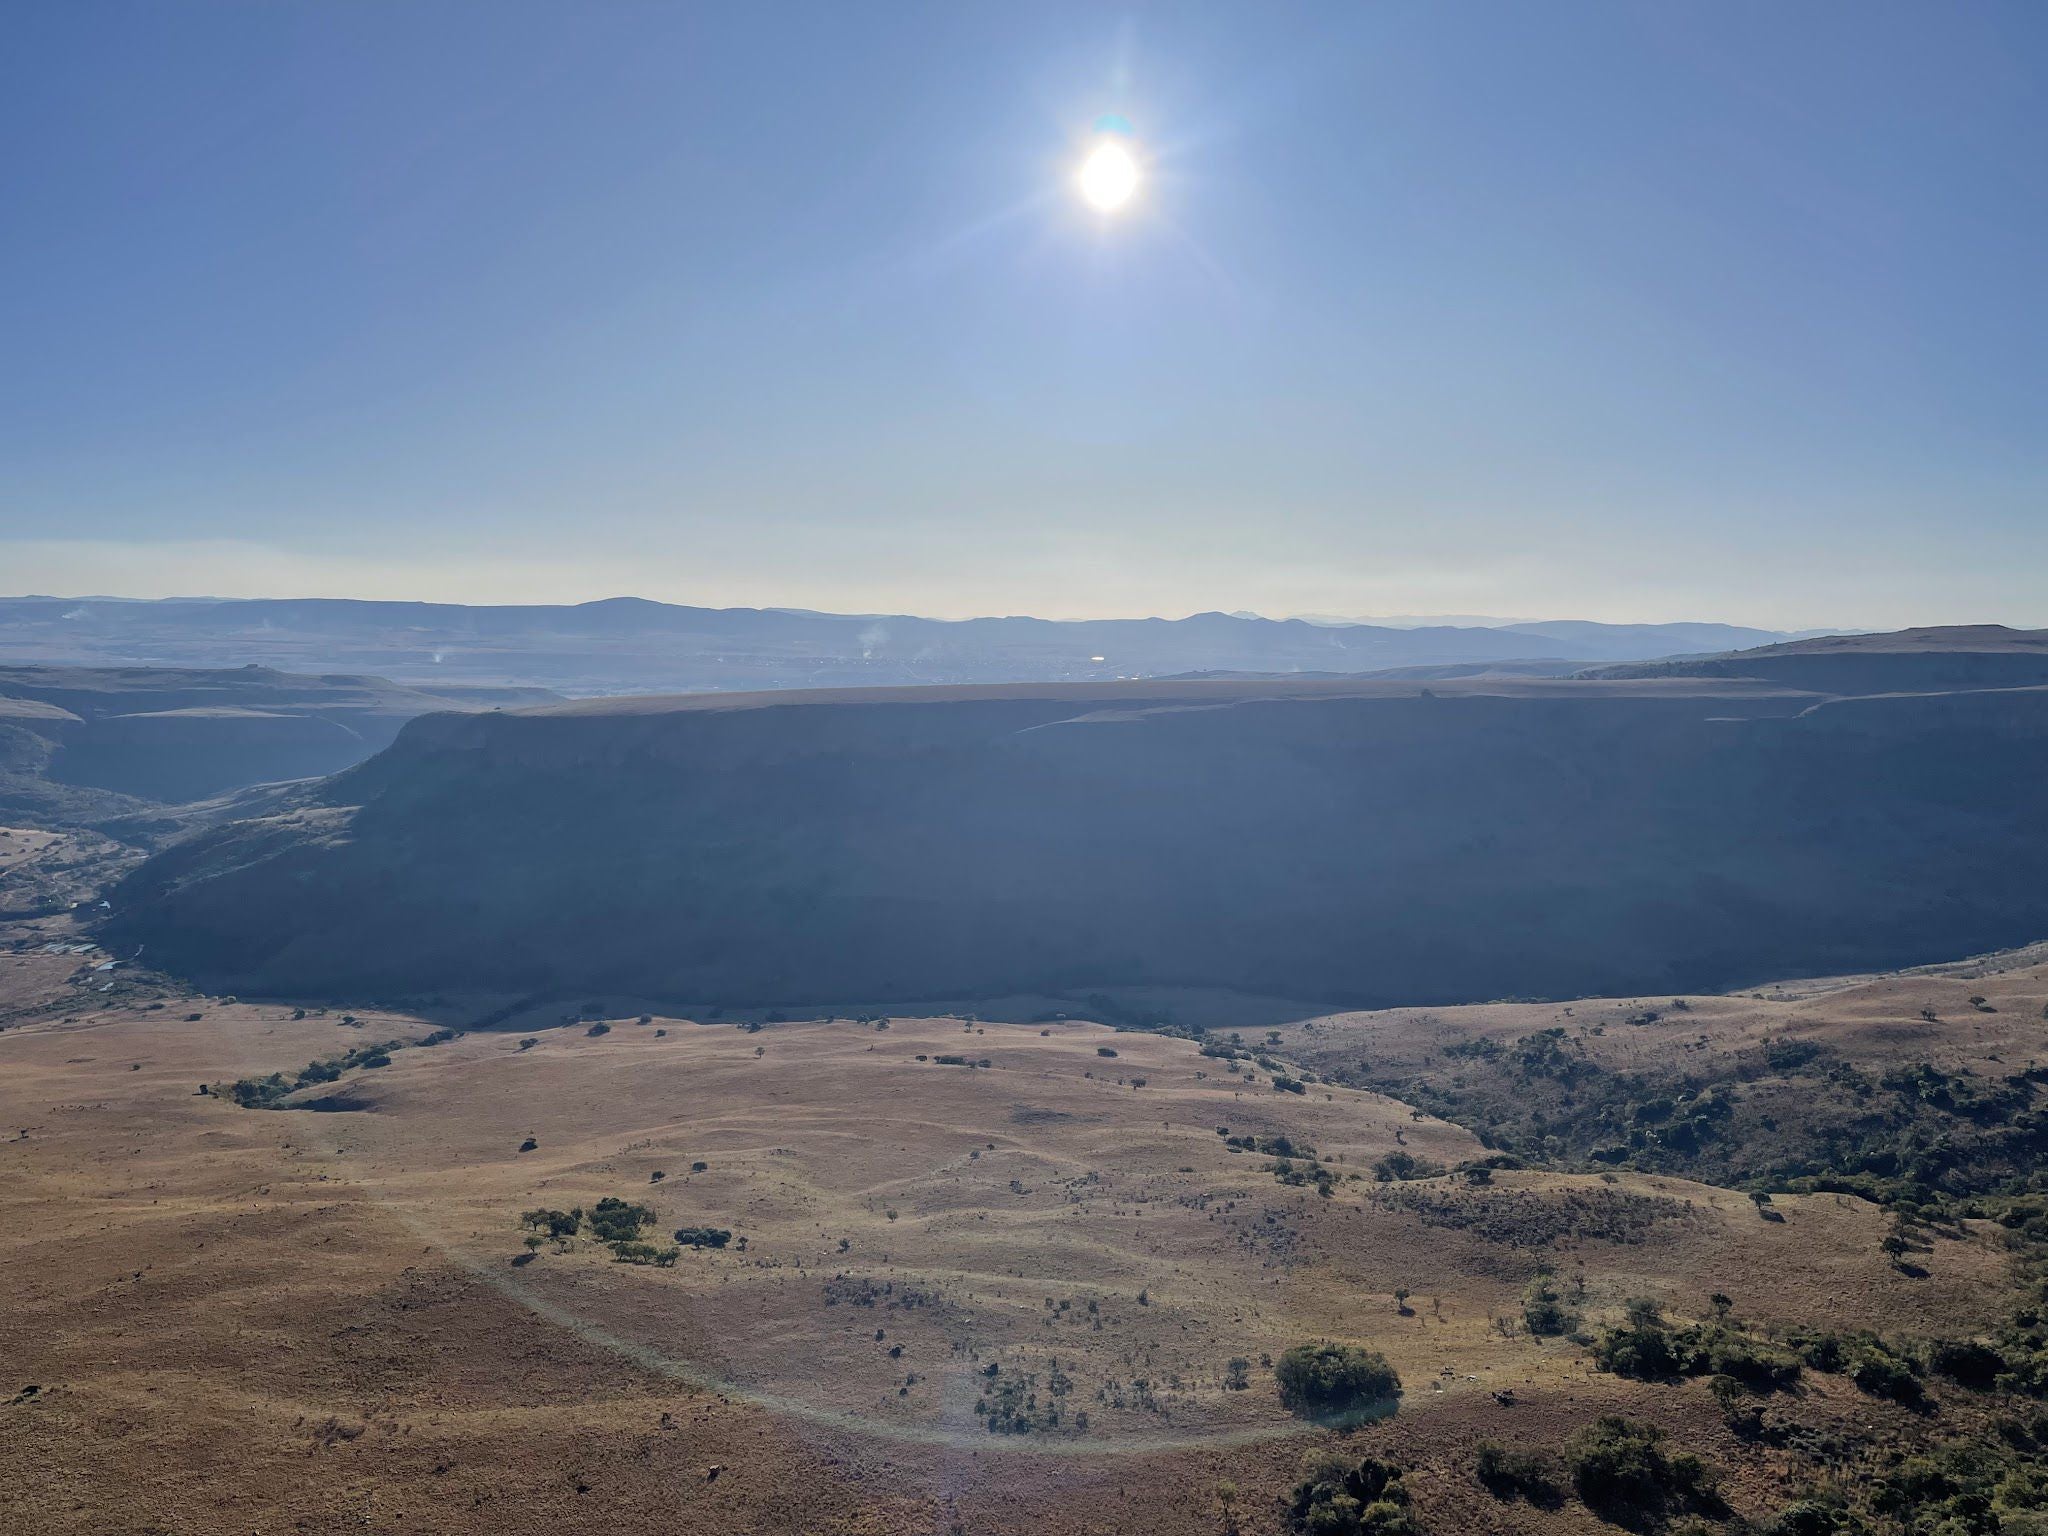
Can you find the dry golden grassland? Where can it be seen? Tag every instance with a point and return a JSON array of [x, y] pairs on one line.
[[221, 1318]]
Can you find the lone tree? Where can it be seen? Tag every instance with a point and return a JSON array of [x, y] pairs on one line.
[[1323, 1380], [1543, 1309]]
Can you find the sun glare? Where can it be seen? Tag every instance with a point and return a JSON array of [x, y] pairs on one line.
[[1109, 176]]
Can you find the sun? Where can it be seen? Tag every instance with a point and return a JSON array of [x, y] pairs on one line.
[[1108, 178]]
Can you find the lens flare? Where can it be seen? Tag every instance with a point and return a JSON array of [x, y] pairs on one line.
[[1108, 178]]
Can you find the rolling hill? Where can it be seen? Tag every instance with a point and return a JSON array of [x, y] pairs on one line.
[[1907, 660]]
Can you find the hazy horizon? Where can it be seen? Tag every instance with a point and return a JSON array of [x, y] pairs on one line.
[[1386, 620], [426, 593], [1655, 316]]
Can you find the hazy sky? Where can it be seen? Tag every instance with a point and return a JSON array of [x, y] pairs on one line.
[[1645, 311]]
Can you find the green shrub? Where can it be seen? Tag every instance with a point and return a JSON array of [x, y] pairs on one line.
[[1619, 1466], [259, 1092], [1507, 1473], [1326, 1379], [1882, 1374], [269, 1092], [1647, 1349], [1304, 1174], [1759, 1367], [1336, 1497], [1966, 1362], [1808, 1517], [1544, 1311], [561, 1224], [1272, 1146], [1642, 1351], [1822, 1351], [703, 1237], [1398, 1167]]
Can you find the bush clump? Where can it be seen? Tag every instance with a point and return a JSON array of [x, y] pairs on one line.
[[561, 1225], [1886, 1375], [1807, 1517], [644, 1253], [703, 1237], [613, 1220], [1966, 1362], [1399, 1167], [267, 1092], [1318, 1380], [1302, 1175], [1272, 1146], [1507, 1473], [1544, 1311], [1620, 1466], [1648, 1349], [1339, 1497]]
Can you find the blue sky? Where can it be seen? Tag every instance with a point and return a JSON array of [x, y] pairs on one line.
[[1642, 311]]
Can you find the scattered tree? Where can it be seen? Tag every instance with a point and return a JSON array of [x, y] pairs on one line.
[[703, 1237]]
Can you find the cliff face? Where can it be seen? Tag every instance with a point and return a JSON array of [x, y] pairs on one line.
[[1373, 844]]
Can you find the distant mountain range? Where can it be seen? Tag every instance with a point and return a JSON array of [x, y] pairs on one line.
[[632, 645], [1536, 626]]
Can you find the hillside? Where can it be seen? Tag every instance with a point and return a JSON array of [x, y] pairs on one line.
[[1907, 660], [1369, 842], [914, 1273], [630, 645]]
